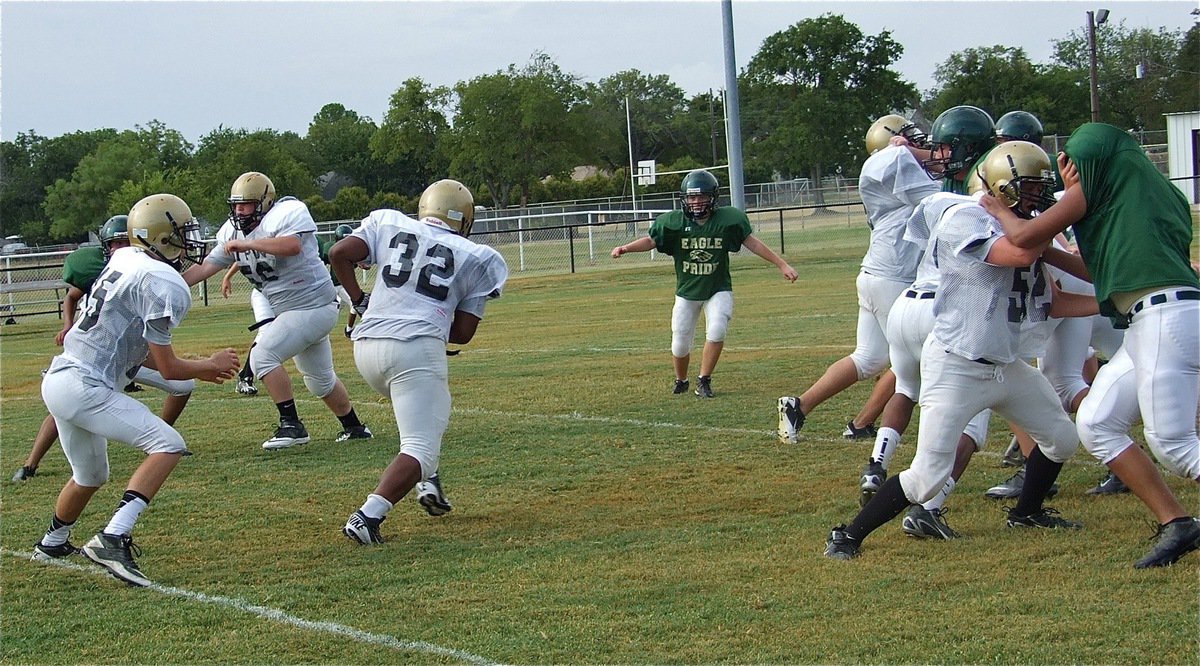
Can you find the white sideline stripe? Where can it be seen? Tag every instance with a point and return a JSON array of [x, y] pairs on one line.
[[279, 616]]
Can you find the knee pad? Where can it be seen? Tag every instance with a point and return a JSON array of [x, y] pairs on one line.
[[91, 478], [163, 440], [1067, 388], [715, 328], [320, 386], [424, 452], [681, 345], [1103, 441], [263, 360], [1179, 455], [920, 488], [868, 364]]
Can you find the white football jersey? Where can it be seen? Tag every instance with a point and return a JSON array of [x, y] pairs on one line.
[[980, 308], [108, 342], [920, 226], [300, 282], [426, 273], [891, 184]]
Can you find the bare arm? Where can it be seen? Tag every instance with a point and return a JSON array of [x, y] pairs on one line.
[[343, 257], [280, 246], [756, 246], [1067, 261], [226, 284], [1004, 253], [1070, 304], [70, 303], [200, 272], [216, 369], [643, 244], [462, 329]]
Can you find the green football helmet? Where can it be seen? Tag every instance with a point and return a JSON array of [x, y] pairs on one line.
[[1019, 126], [959, 136], [699, 183], [115, 229], [342, 231]]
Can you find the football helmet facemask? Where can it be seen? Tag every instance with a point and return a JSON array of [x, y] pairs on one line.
[[114, 230], [959, 136], [164, 226], [699, 189], [1019, 174], [880, 134], [250, 187], [1019, 126], [451, 202]]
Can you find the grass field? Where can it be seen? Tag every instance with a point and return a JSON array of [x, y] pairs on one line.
[[598, 518]]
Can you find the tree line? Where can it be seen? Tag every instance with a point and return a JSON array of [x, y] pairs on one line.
[[515, 136]]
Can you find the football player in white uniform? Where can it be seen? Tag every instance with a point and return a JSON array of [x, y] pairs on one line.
[[137, 300], [275, 246], [892, 183], [431, 288], [970, 361]]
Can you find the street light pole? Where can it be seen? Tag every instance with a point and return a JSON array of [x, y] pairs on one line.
[[1094, 19]]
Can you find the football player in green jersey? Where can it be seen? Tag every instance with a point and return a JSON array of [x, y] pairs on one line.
[[700, 237], [1134, 232]]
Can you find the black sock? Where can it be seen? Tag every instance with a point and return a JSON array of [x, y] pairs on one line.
[[287, 410], [884, 506], [57, 523], [1040, 474], [350, 420], [246, 374]]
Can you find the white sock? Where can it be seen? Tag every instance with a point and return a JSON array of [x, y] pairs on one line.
[[886, 442], [57, 536], [126, 515], [375, 507], [940, 498]]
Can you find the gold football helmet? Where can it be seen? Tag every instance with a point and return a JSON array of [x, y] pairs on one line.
[[164, 226], [1019, 174], [251, 187], [882, 131], [451, 202]]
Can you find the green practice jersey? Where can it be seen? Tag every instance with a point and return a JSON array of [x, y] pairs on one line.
[[83, 266], [701, 251], [324, 247], [1137, 230]]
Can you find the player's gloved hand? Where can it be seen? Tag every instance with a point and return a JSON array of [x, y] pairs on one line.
[[360, 306], [348, 330]]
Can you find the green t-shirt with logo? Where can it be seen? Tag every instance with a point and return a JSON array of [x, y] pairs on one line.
[[701, 251], [1137, 230], [83, 266]]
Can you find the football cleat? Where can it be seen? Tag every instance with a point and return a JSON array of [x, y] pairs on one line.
[[362, 529], [115, 552], [1109, 485], [681, 386], [289, 433], [704, 387], [1173, 541], [873, 476], [840, 546], [43, 553], [356, 432], [431, 497], [791, 419], [921, 523], [1012, 455], [1045, 518], [1011, 487], [856, 433], [246, 387]]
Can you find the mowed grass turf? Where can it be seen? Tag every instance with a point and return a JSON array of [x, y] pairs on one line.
[[597, 518]]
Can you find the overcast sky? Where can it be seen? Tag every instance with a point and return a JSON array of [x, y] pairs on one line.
[[67, 66]]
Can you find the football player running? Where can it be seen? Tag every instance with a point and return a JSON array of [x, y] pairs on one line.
[[431, 288], [700, 238], [80, 270], [1134, 232], [274, 245], [137, 300], [892, 182], [970, 361]]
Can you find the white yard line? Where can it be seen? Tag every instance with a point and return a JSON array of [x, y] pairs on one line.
[[276, 615]]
